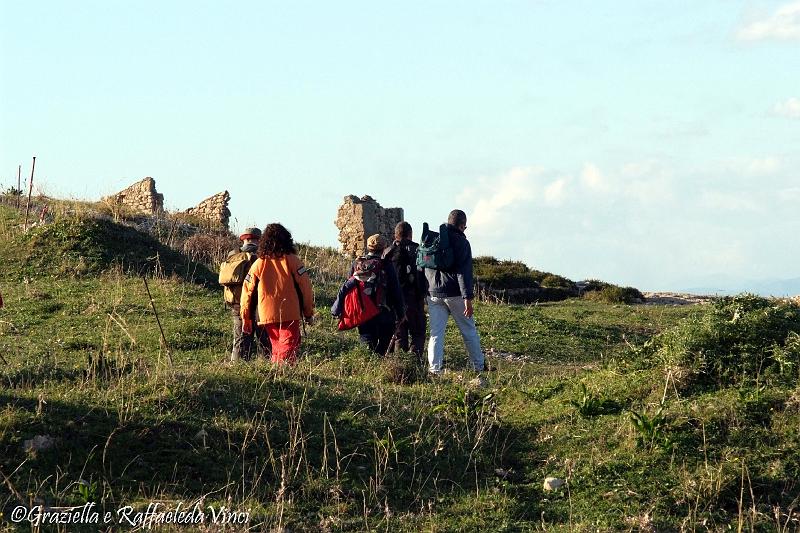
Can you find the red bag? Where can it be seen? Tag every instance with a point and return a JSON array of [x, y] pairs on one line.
[[358, 308]]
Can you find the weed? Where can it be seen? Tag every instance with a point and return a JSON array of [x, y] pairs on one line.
[[588, 404], [651, 430]]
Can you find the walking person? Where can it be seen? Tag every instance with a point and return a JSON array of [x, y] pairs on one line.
[[403, 255], [280, 283], [450, 293], [381, 285], [231, 276]]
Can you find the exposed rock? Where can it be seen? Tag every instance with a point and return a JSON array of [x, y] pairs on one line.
[[39, 443], [358, 218], [141, 197], [674, 298], [552, 483], [214, 209]]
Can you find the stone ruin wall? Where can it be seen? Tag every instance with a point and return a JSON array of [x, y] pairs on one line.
[[141, 197], [358, 218], [214, 209]]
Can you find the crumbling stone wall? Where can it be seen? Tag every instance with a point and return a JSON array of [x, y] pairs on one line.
[[358, 218], [214, 209], [141, 197]]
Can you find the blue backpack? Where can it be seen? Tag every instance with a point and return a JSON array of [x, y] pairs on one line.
[[434, 249]]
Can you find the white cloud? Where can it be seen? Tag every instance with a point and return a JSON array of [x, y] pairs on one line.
[[751, 166], [725, 201], [494, 197], [789, 109], [646, 182], [592, 178], [643, 223], [554, 193], [783, 25], [762, 166]]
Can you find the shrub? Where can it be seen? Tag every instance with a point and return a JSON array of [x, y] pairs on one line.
[[209, 248], [740, 340], [613, 294], [554, 281], [594, 285], [504, 275]]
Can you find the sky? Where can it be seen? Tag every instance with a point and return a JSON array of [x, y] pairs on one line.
[[653, 144]]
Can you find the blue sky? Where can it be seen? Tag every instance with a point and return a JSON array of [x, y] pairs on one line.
[[655, 144]]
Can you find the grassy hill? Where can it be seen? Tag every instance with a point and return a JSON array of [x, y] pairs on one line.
[[658, 418]]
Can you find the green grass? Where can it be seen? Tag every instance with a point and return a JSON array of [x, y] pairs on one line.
[[334, 444]]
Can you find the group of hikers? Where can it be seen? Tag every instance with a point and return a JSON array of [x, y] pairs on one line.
[[269, 292]]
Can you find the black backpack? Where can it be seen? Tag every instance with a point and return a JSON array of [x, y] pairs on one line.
[[404, 258]]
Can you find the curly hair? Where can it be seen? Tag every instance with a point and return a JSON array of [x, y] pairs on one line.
[[276, 241]]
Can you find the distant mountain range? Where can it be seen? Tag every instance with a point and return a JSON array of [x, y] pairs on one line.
[[764, 287]]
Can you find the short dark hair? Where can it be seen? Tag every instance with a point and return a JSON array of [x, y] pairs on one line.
[[402, 230], [457, 218], [276, 241]]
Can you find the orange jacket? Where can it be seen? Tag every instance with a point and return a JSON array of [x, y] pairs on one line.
[[278, 279]]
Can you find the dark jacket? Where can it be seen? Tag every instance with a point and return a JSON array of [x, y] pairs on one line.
[[458, 280], [412, 290]]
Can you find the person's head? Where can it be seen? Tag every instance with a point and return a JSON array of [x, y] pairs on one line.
[[250, 236], [275, 242], [458, 218], [376, 243], [402, 231]]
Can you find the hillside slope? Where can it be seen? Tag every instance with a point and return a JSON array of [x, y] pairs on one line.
[[625, 403]]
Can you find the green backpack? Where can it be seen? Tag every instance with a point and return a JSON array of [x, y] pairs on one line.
[[434, 249]]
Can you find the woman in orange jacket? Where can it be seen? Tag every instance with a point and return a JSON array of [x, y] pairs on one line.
[[280, 285]]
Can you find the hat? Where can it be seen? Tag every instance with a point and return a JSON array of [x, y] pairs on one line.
[[376, 243], [250, 233]]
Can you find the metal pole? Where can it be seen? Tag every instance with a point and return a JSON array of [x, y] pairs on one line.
[[30, 191], [153, 304], [19, 185]]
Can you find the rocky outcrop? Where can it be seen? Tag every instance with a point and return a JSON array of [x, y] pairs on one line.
[[358, 218], [214, 209], [141, 197]]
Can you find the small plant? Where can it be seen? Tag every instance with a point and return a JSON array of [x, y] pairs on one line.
[[87, 490], [588, 405], [651, 429], [470, 419]]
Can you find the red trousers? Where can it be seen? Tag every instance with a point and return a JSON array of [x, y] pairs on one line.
[[285, 340]]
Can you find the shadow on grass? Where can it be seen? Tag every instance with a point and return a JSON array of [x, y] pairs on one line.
[[281, 439]]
